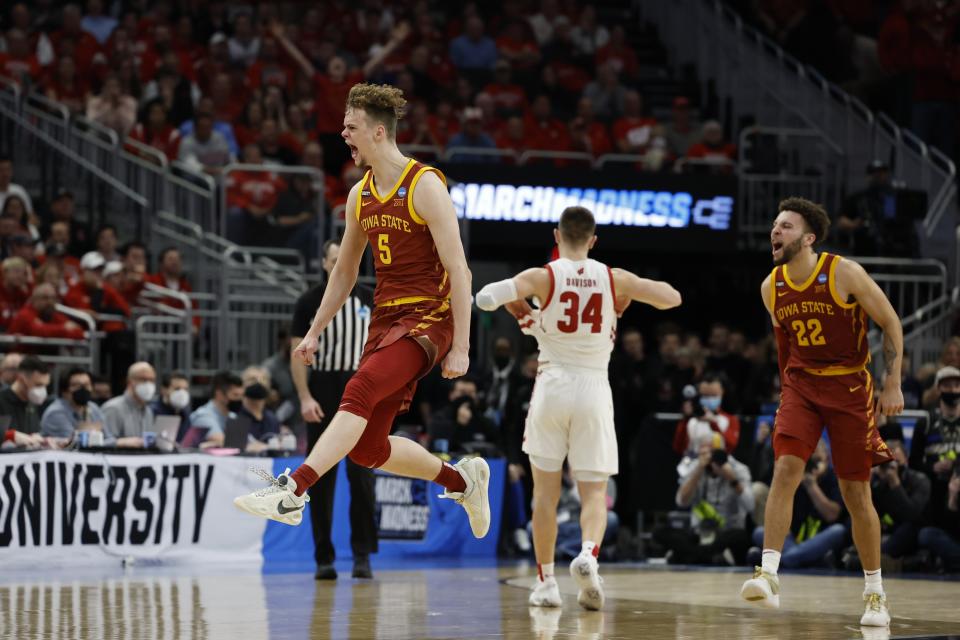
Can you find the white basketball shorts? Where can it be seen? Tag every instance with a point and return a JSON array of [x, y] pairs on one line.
[[571, 416]]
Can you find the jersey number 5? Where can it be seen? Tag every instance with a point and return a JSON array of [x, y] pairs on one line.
[[384, 248], [815, 336], [591, 312]]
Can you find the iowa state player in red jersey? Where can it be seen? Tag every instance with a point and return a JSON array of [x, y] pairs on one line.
[[422, 317], [820, 305]]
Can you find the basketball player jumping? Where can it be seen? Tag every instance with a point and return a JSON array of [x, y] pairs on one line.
[[422, 317], [819, 305], [571, 411]]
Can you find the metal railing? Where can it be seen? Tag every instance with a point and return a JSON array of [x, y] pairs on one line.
[[84, 352], [768, 84]]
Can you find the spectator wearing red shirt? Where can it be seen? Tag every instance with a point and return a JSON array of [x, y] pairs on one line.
[[247, 127], [216, 61], [269, 69], [39, 318], [113, 108], [18, 63], [157, 132], [73, 40], [417, 129], [586, 134], [134, 270], [713, 148], [619, 54], [681, 132], [251, 196], [508, 97], [633, 132], [543, 130], [170, 276], [14, 289], [706, 417], [272, 151], [443, 121], [227, 105], [91, 294], [519, 48], [297, 136], [514, 137], [66, 86], [184, 42]]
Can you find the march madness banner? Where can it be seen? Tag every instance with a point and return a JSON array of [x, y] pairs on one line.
[[58, 507]]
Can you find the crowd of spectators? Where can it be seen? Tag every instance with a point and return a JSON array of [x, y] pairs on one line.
[[225, 83], [898, 56]]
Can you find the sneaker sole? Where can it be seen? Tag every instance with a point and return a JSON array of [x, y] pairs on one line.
[[546, 603], [754, 594], [877, 623], [591, 594], [239, 505], [483, 480]]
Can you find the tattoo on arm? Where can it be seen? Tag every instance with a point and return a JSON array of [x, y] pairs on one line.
[[889, 354]]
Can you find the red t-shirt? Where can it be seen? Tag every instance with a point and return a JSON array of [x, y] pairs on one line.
[[166, 140], [111, 302], [332, 100], [262, 74], [599, 139], [635, 131], [28, 322], [548, 135], [254, 188], [11, 301], [181, 285], [20, 68], [508, 97], [624, 60]]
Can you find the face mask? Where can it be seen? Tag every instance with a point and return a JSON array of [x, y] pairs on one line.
[[179, 399], [234, 406], [256, 391], [710, 403], [37, 395], [81, 396], [950, 398], [145, 391]]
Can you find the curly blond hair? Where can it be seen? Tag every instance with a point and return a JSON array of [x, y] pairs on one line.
[[382, 103]]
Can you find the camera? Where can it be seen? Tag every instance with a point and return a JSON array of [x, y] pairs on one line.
[[811, 466], [719, 457]]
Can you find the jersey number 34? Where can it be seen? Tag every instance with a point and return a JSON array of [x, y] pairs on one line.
[[573, 317]]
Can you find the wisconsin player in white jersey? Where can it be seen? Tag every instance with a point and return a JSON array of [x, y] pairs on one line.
[[571, 411]]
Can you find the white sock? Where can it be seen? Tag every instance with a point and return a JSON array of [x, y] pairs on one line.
[[874, 584], [546, 572], [770, 561], [587, 548]]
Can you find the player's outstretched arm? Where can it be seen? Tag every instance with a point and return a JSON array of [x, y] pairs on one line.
[[526, 284], [432, 202], [342, 279], [653, 292], [852, 279]]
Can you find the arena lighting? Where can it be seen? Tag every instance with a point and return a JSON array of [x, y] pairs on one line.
[[622, 207]]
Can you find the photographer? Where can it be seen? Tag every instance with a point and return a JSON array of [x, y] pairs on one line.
[[461, 422], [935, 447], [943, 540], [816, 529], [703, 415], [717, 488], [900, 496]]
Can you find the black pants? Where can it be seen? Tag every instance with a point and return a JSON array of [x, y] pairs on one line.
[[686, 547], [327, 389]]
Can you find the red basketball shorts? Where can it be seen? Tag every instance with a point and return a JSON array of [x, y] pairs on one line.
[[844, 405]]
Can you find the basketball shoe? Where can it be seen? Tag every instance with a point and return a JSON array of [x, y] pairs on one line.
[[875, 612], [546, 593], [762, 589], [473, 499], [586, 573], [277, 501]]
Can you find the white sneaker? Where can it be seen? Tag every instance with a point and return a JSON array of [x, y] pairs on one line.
[[522, 540], [875, 612], [586, 573], [763, 589], [474, 499], [276, 502], [546, 593]]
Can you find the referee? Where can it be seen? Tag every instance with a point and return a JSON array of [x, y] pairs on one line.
[[336, 360]]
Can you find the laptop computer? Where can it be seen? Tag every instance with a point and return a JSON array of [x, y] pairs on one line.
[[166, 428], [193, 437], [236, 433]]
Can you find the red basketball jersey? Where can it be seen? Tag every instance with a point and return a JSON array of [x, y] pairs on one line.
[[828, 336], [407, 264]]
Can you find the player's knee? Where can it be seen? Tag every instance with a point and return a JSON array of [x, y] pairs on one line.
[[371, 455], [358, 394], [856, 495], [788, 471]]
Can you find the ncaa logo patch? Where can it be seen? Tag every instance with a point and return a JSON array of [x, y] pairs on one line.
[[364, 193], [780, 284], [401, 192], [822, 278]]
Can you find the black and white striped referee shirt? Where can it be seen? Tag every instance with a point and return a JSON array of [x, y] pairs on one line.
[[341, 343]]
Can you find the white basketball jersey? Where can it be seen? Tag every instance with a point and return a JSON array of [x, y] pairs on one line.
[[578, 319]]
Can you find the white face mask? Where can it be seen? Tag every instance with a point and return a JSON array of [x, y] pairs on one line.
[[37, 395], [179, 399], [145, 391]]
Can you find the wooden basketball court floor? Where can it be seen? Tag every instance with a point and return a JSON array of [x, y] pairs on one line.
[[454, 601]]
